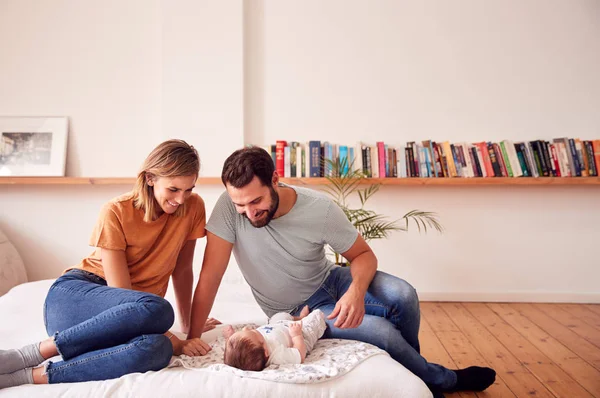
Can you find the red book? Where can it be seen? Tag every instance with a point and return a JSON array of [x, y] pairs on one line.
[[279, 157], [596, 147], [554, 155], [486, 158], [381, 155]]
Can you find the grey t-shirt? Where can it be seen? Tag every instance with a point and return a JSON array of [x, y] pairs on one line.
[[284, 262]]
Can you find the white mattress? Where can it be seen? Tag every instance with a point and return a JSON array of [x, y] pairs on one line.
[[22, 323]]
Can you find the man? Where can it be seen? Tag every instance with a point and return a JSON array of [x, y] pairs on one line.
[[278, 235]]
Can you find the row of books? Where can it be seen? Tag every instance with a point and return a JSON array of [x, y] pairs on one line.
[[561, 157]]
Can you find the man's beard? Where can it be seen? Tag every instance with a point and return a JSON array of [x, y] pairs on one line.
[[270, 213]]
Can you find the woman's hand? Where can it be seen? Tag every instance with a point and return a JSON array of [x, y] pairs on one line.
[[194, 347], [176, 342], [210, 324]]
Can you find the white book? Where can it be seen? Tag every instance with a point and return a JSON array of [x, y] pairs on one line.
[[306, 159], [515, 159], [358, 160], [401, 158], [287, 168], [374, 161], [563, 159], [511, 154], [299, 149], [466, 148]]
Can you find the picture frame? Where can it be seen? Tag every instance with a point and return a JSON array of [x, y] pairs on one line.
[[33, 146]]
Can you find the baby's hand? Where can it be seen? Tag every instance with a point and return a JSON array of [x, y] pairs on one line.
[[296, 329], [228, 331]]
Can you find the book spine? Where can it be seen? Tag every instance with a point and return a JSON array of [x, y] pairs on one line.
[[506, 159], [475, 161], [314, 154], [573, 152], [596, 151], [554, 155], [500, 159], [280, 157]]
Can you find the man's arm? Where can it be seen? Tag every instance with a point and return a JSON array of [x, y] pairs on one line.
[[216, 258], [350, 308], [183, 280]]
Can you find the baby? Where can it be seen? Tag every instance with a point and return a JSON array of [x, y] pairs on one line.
[[285, 339]]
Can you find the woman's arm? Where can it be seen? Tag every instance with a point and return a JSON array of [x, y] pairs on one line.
[[116, 272], [183, 279]]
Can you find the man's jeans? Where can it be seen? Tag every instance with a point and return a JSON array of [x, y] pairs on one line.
[[391, 321], [103, 332]]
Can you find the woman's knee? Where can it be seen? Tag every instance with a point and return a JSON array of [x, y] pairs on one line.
[[157, 349], [161, 312]]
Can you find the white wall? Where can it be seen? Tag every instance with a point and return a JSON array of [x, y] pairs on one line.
[[398, 71], [131, 74]]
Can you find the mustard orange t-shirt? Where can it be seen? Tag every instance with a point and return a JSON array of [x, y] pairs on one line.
[[151, 248]]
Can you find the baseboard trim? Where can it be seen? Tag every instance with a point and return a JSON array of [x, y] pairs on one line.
[[528, 297]]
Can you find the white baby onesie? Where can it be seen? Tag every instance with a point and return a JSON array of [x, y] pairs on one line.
[[279, 341]]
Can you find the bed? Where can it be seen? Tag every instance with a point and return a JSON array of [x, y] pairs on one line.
[[21, 319]]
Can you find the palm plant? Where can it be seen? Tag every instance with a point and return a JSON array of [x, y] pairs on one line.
[[344, 182]]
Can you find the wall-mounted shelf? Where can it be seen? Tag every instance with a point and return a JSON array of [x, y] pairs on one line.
[[554, 181]]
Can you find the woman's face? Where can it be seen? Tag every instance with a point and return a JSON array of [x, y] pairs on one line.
[[170, 193]]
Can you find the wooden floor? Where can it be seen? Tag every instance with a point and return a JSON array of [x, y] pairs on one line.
[[537, 350]]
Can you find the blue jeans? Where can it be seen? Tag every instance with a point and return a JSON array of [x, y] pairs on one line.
[[391, 322], [103, 332]]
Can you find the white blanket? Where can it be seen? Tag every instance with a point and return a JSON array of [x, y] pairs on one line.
[[21, 323], [329, 359]]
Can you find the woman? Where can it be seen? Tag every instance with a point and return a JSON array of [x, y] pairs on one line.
[[107, 316]]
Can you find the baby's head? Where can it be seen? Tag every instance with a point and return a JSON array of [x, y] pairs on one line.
[[246, 350]]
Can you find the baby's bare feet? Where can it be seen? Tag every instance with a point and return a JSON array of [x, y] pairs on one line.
[[305, 311]]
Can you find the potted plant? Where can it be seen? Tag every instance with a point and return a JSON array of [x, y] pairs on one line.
[[345, 182]]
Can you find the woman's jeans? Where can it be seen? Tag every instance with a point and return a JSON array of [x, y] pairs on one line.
[[103, 332], [391, 322]]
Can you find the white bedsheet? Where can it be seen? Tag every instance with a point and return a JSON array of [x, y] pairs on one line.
[[22, 323]]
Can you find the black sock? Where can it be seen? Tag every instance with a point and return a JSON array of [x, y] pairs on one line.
[[474, 378]]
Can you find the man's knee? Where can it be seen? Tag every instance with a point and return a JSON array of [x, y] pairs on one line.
[[397, 290], [406, 292]]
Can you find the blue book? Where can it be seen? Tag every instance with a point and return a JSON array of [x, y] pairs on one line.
[[314, 156], [344, 158]]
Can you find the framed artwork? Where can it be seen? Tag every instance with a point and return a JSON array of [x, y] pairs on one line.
[[33, 146]]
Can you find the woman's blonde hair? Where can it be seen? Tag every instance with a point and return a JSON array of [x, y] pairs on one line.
[[173, 158]]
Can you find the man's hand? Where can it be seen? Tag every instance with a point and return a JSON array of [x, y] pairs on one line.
[[295, 329], [194, 347], [349, 310]]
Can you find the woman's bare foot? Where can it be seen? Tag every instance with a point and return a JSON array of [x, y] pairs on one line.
[[48, 348], [305, 311], [39, 377]]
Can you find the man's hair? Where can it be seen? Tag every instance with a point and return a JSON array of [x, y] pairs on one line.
[[244, 354], [241, 166]]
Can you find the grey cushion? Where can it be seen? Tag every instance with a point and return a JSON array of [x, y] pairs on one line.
[[12, 269]]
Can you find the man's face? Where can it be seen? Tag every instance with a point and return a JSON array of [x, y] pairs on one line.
[[256, 202]]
